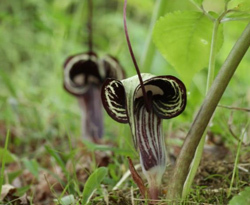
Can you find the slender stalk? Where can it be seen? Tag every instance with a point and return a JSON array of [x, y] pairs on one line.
[[3, 160], [212, 57], [201, 9], [210, 78], [235, 108], [205, 113], [133, 57], [235, 19], [149, 51], [90, 16], [236, 162]]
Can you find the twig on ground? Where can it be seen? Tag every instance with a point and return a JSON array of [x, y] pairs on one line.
[[125, 176], [235, 108], [137, 179]]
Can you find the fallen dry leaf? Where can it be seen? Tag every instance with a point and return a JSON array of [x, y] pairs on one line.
[[8, 194], [7, 189]]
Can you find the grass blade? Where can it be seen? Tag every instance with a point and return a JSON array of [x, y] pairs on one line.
[[58, 159], [3, 160], [32, 166], [236, 162], [92, 183]]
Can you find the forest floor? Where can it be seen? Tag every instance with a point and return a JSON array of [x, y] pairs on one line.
[[42, 181]]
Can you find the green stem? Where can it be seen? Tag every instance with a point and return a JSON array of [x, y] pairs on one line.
[[211, 65], [149, 51], [235, 19], [205, 113], [201, 9], [236, 162], [198, 154], [3, 160]]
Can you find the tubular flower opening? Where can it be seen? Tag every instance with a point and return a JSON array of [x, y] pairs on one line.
[[84, 70]]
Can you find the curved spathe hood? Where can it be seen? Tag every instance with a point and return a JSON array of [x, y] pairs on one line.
[[122, 99], [85, 69]]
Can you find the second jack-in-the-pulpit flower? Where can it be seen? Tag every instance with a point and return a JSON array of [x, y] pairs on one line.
[[124, 102], [84, 74]]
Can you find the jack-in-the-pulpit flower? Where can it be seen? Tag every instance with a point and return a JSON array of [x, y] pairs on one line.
[[84, 75], [123, 100]]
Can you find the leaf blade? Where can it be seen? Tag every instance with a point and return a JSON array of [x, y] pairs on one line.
[[92, 183], [184, 39], [242, 198], [7, 156]]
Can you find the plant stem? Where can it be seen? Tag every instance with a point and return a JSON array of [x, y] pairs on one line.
[[211, 65], [89, 25], [205, 113], [235, 19], [149, 51], [3, 160], [201, 9], [236, 161], [133, 58], [210, 78]]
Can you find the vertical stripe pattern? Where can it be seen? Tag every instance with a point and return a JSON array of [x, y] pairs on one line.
[[114, 100], [148, 131], [168, 95]]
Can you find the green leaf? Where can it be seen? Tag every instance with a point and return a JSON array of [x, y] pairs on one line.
[[217, 6], [22, 190], [240, 11], [242, 198], [239, 5], [92, 183], [244, 6], [184, 39], [32, 166], [198, 2], [9, 157]]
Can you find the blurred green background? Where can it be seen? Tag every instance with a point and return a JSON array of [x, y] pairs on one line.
[[37, 36]]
